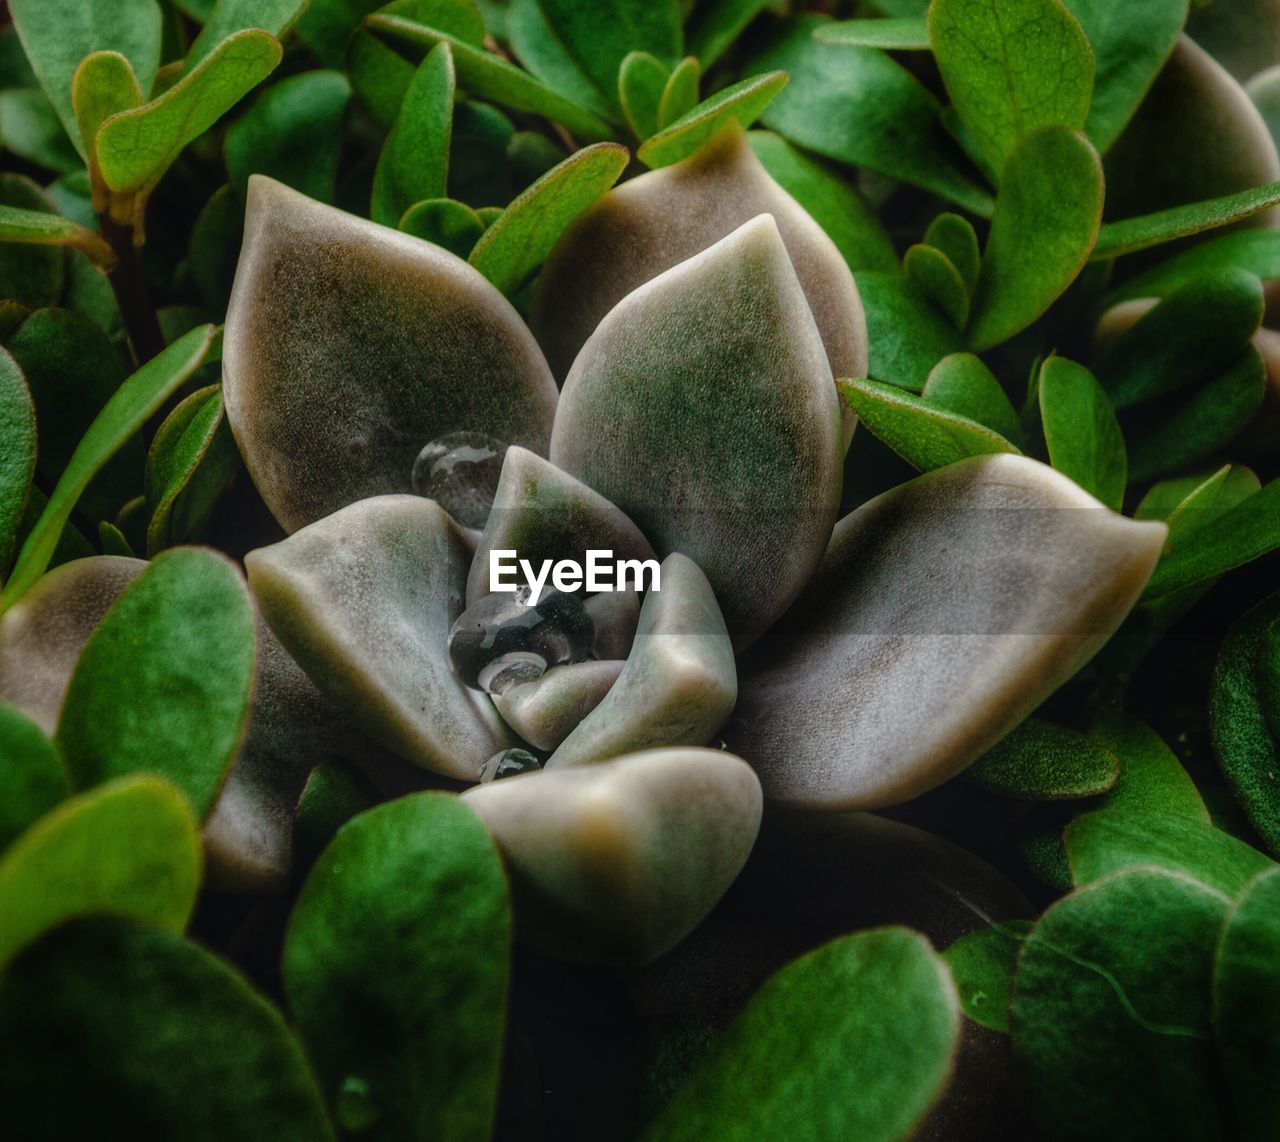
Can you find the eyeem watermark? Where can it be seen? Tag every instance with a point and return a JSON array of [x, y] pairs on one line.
[[601, 572]]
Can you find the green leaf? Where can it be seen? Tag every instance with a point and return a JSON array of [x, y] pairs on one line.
[[33, 780], [717, 24], [578, 48], [129, 848], [231, 17], [1229, 485], [293, 133], [1151, 777], [165, 682], [335, 792], [1133, 234], [18, 458], [832, 202], [924, 435], [858, 106], [1253, 251], [680, 96], [446, 222], [905, 34], [513, 248], [956, 238], [962, 384], [1039, 761], [486, 76], [1111, 1009], [31, 130], [1243, 729], [57, 34], [1196, 331], [1081, 430], [906, 337], [1011, 68], [414, 165], [1130, 45], [124, 414], [1103, 842], [1045, 223], [854, 1040], [117, 1029], [103, 85], [642, 79], [136, 147], [982, 965], [327, 25], [1209, 417], [1246, 1006], [33, 275], [403, 928], [741, 102], [41, 229], [932, 273]]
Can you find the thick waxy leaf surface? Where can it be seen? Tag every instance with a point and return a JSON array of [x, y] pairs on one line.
[[1129, 235], [547, 711], [229, 17], [127, 849], [18, 462], [679, 683], [935, 276], [37, 228], [889, 678], [350, 347], [881, 1024], [962, 384], [901, 34], [1041, 761], [1111, 1013], [164, 683], [906, 336], [617, 862], [1081, 430], [740, 103], [403, 927], [364, 601], [1151, 777], [120, 1029], [728, 334], [32, 777], [642, 78]]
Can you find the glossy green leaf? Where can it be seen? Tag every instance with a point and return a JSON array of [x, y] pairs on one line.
[[134, 402], [1081, 430], [1039, 761], [858, 106], [129, 849], [118, 1029], [932, 274], [1130, 235], [642, 78], [880, 1023], [906, 337], [717, 24], [136, 147], [962, 384], [956, 238], [335, 792], [230, 17], [1209, 498], [1103, 842], [1253, 251], [31, 130], [924, 435], [1151, 777], [18, 458], [403, 928], [909, 34], [446, 222], [165, 682], [1045, 223], [513, 248], [1196, 331], [1111, 1009], [33, 780], [58, 34], [488, 77], [414, 165], [1011, 69], [43, 229], [33, 275], [1246, 1006], [834, 204], [103, 85], [982, 965], [292, 133], [680, 96], [741, 102]]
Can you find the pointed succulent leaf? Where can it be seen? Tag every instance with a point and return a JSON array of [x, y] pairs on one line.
[[887, 678], [446, 223], [350, 347], [725, 487], [935, 276], [741, 103], [364, 600], [1254, 251], [902, 34], [1040, 761], [956, 238], [1045, 223], [403, 926], [642, 78], [906, 336], [181, 445], [1130, 235], [548, 710], [129, 849], [680, 96], [962, 384], [1081, 430], [1152, 778], [230, 17], [679, 682], [522, 236], [1112, 996], [18, 462], [33, 779], [152, 1029], [617, 862]]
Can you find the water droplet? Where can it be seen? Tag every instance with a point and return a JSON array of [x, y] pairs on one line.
[[499, 642], [354, 1106], [460, 472], [508, 763]]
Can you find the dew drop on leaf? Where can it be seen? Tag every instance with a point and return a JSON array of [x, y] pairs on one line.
[[460, 472]]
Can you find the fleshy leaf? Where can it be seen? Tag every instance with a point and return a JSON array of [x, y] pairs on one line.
[[1043, 762], [906, 336], [717, 24], [33, 779], [364, 600], [742, 102], [129, 848], [982, 965], [1081, 431], [179, 645], [31, 274], [35, 227], [403, 927], [889, 678], [1130, 235], [730, 332], [935, 276], [1254, 251], [962, 384], [444, 222], [642, 78], [1151, 777], [1045, 223], [956, 238], [906, 34], [230, 17], [617, 862], [882, 1024], [333, 317], [18, 461], [679, 683], [548, 710], [680, 95]]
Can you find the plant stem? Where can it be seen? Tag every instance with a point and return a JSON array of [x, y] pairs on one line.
[[133, 295]]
